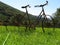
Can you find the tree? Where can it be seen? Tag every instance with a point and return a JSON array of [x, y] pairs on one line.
[[57, 12], [57, 17]]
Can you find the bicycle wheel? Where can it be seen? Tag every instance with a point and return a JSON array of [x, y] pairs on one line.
[[47, 23]]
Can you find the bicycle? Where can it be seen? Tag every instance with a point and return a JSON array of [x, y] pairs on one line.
[[44, 19], [27, 22]]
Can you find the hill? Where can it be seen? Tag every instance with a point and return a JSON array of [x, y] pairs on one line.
[[8, 13]]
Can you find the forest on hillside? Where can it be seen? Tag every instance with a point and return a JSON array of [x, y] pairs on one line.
[[12, 16]]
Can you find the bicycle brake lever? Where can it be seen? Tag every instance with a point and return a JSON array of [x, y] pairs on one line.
[[29, 6]]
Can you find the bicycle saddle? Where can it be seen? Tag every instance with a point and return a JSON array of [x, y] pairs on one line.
[[25, 6]]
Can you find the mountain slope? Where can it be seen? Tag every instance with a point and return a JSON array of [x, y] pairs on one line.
[[8, 13]]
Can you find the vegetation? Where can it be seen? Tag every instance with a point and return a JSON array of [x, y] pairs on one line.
[[11, 15], [34, 37], [57, 17], [15, 18]]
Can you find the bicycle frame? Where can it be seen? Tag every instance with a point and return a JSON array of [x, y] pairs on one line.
[[27, 15], [42, 13]]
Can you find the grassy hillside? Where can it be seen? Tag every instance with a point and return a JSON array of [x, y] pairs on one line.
[[8, 12]]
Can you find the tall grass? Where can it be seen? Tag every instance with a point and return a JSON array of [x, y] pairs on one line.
[[33, 37]]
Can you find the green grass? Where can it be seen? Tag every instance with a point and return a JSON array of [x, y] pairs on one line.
[[33, 37]]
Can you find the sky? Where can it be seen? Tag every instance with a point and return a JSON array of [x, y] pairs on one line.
[[49, 9]]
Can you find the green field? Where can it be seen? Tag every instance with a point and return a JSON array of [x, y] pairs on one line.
[[33, 37]]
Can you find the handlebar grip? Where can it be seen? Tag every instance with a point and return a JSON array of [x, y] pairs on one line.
[[29, 6], [47, 1]]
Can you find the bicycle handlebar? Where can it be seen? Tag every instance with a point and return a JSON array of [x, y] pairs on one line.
[[42, 5]]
